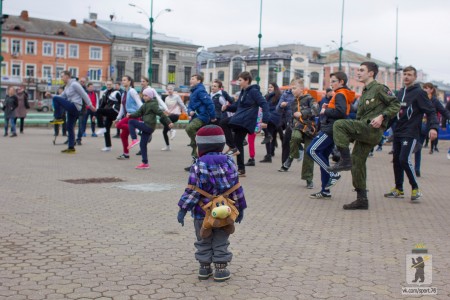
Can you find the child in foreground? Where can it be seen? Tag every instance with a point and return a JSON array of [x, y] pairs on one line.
[[214, 173], [148, 111]]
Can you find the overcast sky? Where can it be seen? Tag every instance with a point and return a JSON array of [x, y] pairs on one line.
[[423, 35]]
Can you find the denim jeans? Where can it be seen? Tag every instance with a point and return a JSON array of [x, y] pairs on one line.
[[13, 125], [82, 119], [88, 115], [60, 103], [145, 136]]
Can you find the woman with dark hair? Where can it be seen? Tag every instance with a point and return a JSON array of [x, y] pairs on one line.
[[272, 97], [21, 112], [131, 102]]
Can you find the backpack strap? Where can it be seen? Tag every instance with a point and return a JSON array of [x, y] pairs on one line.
[[209, 196]]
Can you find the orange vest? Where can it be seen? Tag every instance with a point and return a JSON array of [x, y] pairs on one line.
[[349, 97]]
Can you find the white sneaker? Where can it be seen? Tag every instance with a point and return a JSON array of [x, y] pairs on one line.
[[173, 132], [166, 148], [100, 131], [106, 149]]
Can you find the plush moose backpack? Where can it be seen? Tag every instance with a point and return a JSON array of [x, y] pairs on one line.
[[220, 211]]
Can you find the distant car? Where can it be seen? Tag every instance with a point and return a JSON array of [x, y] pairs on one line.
[[44, 105]]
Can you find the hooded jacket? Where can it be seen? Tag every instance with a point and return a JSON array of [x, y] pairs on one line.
[[200, 103], [338, 108], [414, 103]]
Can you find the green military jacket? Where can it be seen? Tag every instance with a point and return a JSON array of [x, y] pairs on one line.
[[148, 111], [377, 99]]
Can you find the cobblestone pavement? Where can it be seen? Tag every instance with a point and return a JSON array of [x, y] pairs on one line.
[[100, 241]]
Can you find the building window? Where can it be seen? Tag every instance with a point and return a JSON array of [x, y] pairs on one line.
[[5, 45], [172, 56], [138, 54], [73, 51], [314, 77], [58, 71], [171, 75], [95, 53], [47, 49], [73, 71], [47, 72], [155, 54], [95, 74], [15, 69], [286, 77], [16, 46], [273, 72], [30, 71], [221, 75], [137, 71], [120, 69], [60, 50], [155, 73], [31, 47], [4, 69], [187, 75], [299, 74]]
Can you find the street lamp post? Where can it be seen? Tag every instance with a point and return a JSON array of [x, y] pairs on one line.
[[259, 44], [150, 42], [396, 57], [342, 37]]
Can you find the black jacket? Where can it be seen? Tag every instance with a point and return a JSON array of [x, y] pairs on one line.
[[439, 109], [414, 103], [332, 114]]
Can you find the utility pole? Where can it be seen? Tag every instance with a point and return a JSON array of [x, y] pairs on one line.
[[396, 49], [342, 37], [259, 46]]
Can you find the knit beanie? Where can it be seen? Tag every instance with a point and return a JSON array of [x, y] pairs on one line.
[[149, 92], [210, 138]]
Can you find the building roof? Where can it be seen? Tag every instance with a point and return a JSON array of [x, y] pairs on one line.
[[132, 30], [352, 57], [68, 30]]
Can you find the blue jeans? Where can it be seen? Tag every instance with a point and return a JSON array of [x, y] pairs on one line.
[[13, 125], [88, 115], [145, 136], [319, 150], [81, 120], [60, 103]]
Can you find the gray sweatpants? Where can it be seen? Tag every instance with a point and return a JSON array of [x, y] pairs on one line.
[[214, 248]]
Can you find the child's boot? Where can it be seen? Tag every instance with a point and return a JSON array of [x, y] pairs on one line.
[[205, 271], [222, 273]]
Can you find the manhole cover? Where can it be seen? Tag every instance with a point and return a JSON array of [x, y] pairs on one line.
[[147, 187], [93, 180]]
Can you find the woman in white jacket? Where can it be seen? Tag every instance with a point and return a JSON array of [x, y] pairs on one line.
[[175, 107]]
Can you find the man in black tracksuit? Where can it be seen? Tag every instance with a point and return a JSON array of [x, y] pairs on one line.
[[414, 103]]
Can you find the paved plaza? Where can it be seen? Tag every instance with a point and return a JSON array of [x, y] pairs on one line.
[[121, 240]]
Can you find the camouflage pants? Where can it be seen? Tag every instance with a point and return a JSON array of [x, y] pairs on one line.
[[308, 164], [365, 137], [191, 130]]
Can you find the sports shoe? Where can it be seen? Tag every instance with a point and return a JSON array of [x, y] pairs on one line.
[[395, 193], [79, 143], [13, 134], [334, 178], [309, 184], [320, 195], [187, 169], [301, 154], [57, 122], [143, 166], [84, 134], [283, 169], [266, 159], [267, 139], [123, 157], [133, 143], [166, 148], [221, 273], [66, 142], [69, 151], [101, 131], [416, 194], [379, 148], [233, 152], [106, 149], [205, 271], [250, 162], [173, 132], [241, 173], [93, 134], [448, 153]]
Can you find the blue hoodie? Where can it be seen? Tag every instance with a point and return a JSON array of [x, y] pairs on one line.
[[200, 103]]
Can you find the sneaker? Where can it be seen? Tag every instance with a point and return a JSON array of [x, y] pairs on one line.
[[301, 154], [106, 149], [13, 134], [416, 194], [309, 184], [379, 148], [133, 143], [395, 193], [79, 142], [334, 178], [187, 169], [241, 173], [57, 122], [436, 150], [173, 132], [283, 169], [101, 131], [139, 152], [250, 163], [117, 136], [166, 148], [371, 154], [267, 159], [94, 135], [233, 152], [417, 173], [84, 134], [69, 151], [123, 157], [267, 139], [448, 154], [143, 166], [320, 195], [205, 271], [221, 273], [66, 142]]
